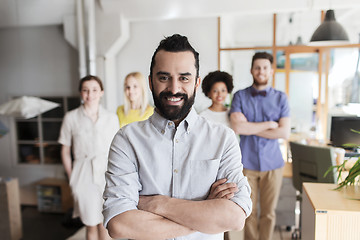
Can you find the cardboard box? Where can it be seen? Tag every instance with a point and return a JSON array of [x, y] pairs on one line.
[[10, 214]]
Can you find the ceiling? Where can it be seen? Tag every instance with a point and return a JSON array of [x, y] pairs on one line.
[[17, 13]]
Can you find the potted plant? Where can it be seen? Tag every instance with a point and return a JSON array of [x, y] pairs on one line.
[[351, 183]]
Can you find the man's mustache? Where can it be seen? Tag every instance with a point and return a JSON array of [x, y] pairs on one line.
[[169, 94]]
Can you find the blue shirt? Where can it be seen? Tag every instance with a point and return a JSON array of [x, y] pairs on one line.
[[153, 157], [260, 154]]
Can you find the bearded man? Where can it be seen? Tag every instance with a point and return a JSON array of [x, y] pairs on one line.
[[260, 114], [175, 175]]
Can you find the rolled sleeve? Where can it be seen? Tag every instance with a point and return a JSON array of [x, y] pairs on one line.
[[242, 197], [65, 131], [232, 169], [122, 180]]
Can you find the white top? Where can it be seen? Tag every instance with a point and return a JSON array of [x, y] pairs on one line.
[[153, 157], [90, 145], [220, 117]]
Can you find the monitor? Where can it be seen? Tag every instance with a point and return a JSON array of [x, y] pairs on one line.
[[340, 131]]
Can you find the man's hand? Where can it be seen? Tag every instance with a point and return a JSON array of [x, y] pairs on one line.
[[273, 125], [221, 189]]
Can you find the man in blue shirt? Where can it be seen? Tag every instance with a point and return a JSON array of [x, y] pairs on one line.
[[167, 175], [260, 114]]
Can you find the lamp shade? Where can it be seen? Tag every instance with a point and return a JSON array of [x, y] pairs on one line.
[[329, 30], [26, 107]]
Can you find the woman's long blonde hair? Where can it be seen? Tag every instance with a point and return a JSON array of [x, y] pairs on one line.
[[144, 96]]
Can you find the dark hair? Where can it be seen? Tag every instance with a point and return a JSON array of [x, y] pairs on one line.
[[88, 78], [261, 55], [214, 77], [175, 43]]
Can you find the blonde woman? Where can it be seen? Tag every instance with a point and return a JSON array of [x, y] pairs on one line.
[[136, 107], [87, 132]]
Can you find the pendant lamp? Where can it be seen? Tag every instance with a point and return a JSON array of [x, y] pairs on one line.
[[329, 32]]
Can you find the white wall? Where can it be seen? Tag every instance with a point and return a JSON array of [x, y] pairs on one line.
[[34, 61]]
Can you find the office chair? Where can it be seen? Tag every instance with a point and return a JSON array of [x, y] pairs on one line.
[[309, 163]]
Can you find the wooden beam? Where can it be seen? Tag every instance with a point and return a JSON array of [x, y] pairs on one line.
[[245, 48], [219, 41], [274, 49], [293, 48], [287, 73], [319, 112]]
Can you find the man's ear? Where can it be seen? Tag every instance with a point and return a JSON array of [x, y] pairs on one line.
[[150, 85], [198, 81], [272, 71]]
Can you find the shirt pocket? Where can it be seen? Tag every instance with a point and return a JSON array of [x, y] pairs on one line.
[[203, 175], [271, 112]]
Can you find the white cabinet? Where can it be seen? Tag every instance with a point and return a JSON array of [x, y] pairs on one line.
[[327, 214]]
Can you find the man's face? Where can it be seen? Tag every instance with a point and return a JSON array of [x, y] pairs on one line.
[[261, 71], [174, 83]]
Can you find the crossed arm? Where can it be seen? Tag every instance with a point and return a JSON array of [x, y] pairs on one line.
[[162, 217], [267, 129]]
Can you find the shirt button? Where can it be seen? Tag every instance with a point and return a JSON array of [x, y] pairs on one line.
[[175, 171], [177, 141], [162, 131], [170, 123]]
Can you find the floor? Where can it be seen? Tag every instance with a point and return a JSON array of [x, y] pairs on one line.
[[280, 233], [41, 226]]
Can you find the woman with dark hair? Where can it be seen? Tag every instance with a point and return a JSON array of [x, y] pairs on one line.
[[216, 86], [88, 131]]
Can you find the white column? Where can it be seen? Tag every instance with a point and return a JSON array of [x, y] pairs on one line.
[[81, 38], [91, 37]]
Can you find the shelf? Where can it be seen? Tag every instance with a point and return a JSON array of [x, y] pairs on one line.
[[53, 195]]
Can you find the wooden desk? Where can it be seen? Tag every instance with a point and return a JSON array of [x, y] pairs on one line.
[[326, 214]]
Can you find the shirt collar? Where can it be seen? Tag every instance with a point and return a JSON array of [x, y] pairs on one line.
[[252, 89], [100, 113], [161, 123]]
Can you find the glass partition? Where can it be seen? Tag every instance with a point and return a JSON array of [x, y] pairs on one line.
[[243, 30]]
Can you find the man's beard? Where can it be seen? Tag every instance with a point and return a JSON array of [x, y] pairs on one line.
[[174, 112], [263, 83]]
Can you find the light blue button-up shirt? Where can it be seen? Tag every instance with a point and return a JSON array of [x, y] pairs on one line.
[[153, 157]]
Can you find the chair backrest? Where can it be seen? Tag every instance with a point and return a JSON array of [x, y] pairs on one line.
[[309, 163]]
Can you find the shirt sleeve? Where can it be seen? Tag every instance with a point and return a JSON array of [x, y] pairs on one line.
[[122, 182], [231, 168], [236, 103], [285, 109], [65, 131]]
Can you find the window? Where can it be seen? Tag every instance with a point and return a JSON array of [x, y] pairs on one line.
[[37, 137]]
